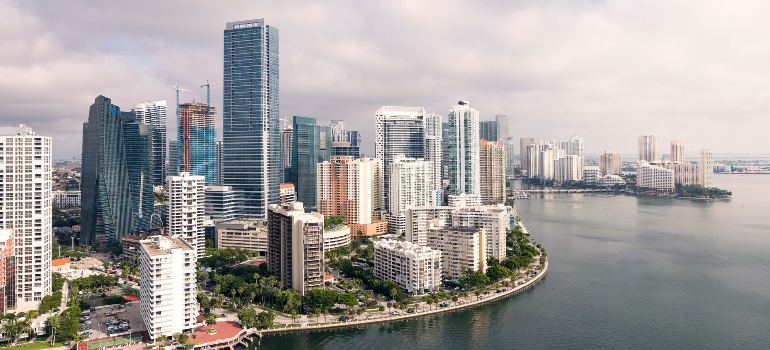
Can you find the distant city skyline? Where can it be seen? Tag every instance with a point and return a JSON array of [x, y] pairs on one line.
[[550, 69]]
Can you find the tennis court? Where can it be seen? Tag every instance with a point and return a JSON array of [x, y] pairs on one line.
[[119, 340]]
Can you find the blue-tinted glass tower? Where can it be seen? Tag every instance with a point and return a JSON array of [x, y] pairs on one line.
[[138, 144], [251, 161], [311, 145], [197, 136]]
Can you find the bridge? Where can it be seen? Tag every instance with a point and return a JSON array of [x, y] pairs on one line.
[[568, 190]]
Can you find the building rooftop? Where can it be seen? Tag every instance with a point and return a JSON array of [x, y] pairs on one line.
[[161, 245]]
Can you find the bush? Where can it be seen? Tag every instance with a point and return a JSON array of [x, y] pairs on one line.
[[115, 299]]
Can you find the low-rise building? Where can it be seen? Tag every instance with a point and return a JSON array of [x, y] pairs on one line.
[[591, 174], [66, 199], [415, 268], [655, 178], [244, 234], [220, 203], [461, 248], [337, 236], [610, 181]]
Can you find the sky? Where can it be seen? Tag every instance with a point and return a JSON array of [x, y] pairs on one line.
[[608, 71]]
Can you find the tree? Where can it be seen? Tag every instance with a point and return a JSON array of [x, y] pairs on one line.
[[429, 301], [265, 319], [52, 324], [182, 338], [498, 272], [321, 299], [348, 299], [474, 279], [455, 299], [210, 321]]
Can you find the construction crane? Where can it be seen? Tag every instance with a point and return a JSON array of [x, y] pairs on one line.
[[208, 97], [179, 121], [286, 120], [177, 89]]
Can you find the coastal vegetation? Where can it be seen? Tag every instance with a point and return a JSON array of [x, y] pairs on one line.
[[698, 191]]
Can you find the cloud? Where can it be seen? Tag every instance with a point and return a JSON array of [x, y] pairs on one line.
[[606, 70]]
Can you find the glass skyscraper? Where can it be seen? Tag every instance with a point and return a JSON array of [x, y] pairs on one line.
[[138, 142], [488, 130], [464, 161], [197, 135], [154, 113], [251, 161], [311, 145], [400, 130]]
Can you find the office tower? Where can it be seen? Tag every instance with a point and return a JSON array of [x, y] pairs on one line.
[[154, 113], [138, 155], [197, 135], [648, 148], [352, 188], [168, 293], [568, 168], [524, 144], [503, 133], [243, 234], [677, 151], [220, 203], [186, 207], [400, 130], [492, 171], [311, 145], [219, 162], [575, 147], [510, 156], [610, 163], [433, 151], [488, 130], [7, 271], [295, 253], [706, 168], [106, 210], [173, 158], [445, 148], [654, 178], [287, 137], [494, 220], [346, 142], [464, 151], [461, 248], [338, 131], [251, 151], [416, 269], [26, 208]]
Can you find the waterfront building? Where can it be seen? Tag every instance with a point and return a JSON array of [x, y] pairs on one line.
[[416, 269], [433, 151], [648, 148], [311, 145], [244, 234], [7, 271], [197, 135], [173, 157], [418, 220], [492, 171], [288, 195], [677, 151], [494, 220], [220, 203], [186, 203], [503, 132], [575, 147], [351, 188], [251, 153], [399, 130], [66, 199], [707, 168], [168, 288], [610, 181], [569, 168], [464, 200], [488, 130], [510, 157], [295, 252], [411, 185], [610, 163], [685, 173], [464, 159], [591, 174], [524, 151], [461, 248], [287, 137], [655, 178], [154, 113], [336, 237], [541, 157]]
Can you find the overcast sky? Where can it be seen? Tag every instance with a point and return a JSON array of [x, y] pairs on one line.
[[609, 71]]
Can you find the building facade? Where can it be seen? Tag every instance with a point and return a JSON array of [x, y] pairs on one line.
[[7, 271], [416, 269], [503, 131], [591, 174], [311, 145], [434, 152], [464, 159], [399, 130], [707, 168], [461, 248], [351, 188], [568, 168], [244, 234], [492, 172], [287, 137], [488, 130], [654, 178], [220, 203], [524, 152], [295, 252], [677, 151], [411, 185], [288, 195], [186, 209], [168, 279], [197, 137], [494, 220], [154, 113], [138, 155], [66, 199], [610, 163], [251, 148], [173, 158], [648, 148]]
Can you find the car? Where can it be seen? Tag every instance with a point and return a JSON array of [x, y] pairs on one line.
[[411, 310], [344, 318], [109, 314], [369, 317], [395, 313]]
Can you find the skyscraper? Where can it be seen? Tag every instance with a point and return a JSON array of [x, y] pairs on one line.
[[219, 162], [138, 145], [186, 205], [339, 133], [503, 132], [648, 148], [575, 146], [677, 151], [488, 130], [492, 171], [26, 209], [287, 138], [433, 151], [197, 137], [173, 157], [524, 159], [464, 149], [510, 156], [400, 130], [706, 168], [311, 145], [154, 113], [411, 184], [295, 252], [610, 163], [252, 150], [351, 188]]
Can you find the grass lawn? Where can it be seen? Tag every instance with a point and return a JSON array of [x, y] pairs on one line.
[[34, 346], [112, 341]]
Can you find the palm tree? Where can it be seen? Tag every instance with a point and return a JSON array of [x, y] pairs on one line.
[[455, 299], [53, 324], [429, 300]]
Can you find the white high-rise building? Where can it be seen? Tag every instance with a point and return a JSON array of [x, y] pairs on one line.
[[417, 269], [433, 151], [510, 156], [575, 146], [677, 151], [651, 177], [492, 171], [26, 207], [464, 176], [295, 245], [411, 184], [220, 203], [461, 248], [610, 163], [168, 279], [186, 209], [525, 155], [154, 113], [569, 168], [399, 130], [349, 187], [494, 220], [503, 133], [418, 221], [706, 168], [339, 132], [648, 148]]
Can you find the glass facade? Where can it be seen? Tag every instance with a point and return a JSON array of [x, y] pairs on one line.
[[197, 137], [138, 143], [251, 161], [154, 113], [311, 145]]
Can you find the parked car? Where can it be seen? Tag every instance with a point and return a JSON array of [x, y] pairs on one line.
[[411, 310], [395, 313], [369, 317], [344, 318]]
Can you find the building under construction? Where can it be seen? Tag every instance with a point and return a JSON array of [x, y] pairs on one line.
[[197, 137]]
